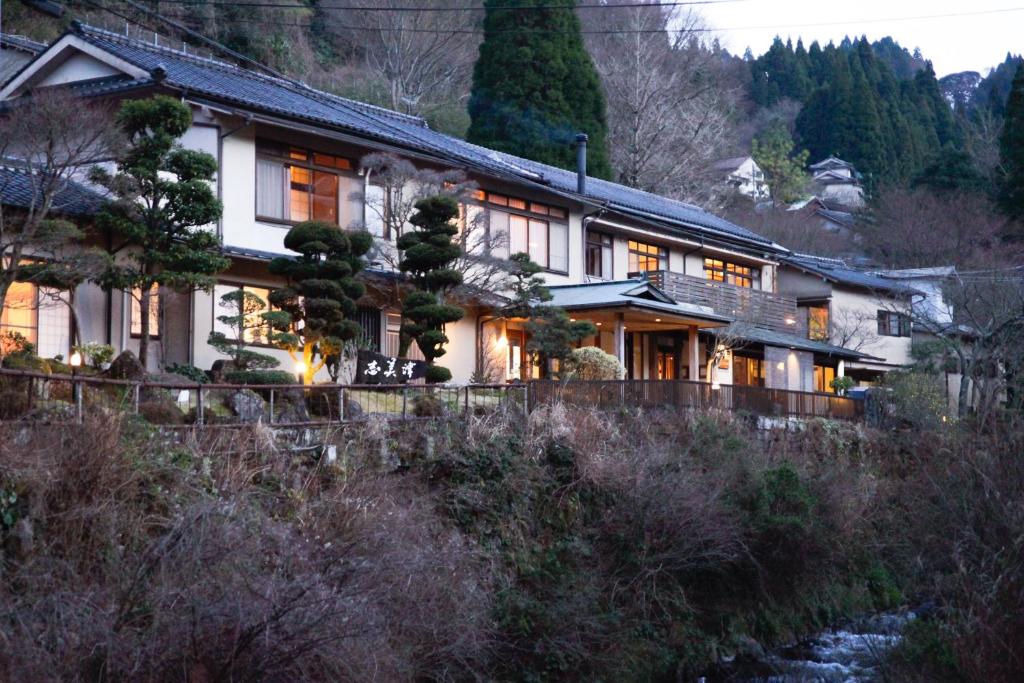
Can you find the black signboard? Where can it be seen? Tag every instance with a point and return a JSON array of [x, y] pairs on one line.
[[376, 368]]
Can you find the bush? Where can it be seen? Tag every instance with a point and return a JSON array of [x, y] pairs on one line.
[[96, 354], [590, 362], [259, 377], [188, 371]]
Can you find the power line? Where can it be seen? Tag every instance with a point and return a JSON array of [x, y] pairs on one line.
[[390, 29], [463, 8]]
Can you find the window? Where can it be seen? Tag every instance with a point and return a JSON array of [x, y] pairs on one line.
[[599, 255], [392, 338], [732, 273], [823, 376], [645, 258], [546, 242], [892, 324], [41, 315], [295, 184], [817, 323], [748, 371], [257, 330], [20, 313], [154, 312]]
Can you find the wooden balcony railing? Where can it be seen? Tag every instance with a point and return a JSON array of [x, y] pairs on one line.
[[754, 306]]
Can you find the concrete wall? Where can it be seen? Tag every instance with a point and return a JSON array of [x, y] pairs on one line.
[[862, 307]]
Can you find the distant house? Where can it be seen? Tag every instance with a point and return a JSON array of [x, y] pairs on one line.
[[838, 181], [16, 52], [744, 176], [821, 213], [862, 311]]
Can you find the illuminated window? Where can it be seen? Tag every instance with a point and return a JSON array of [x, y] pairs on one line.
[[154, 312], [823, 377], [294, 184], [732, 273], [748, 371], [817, 323], [644, 258], [21, 311], [257, 331], [599, 255]]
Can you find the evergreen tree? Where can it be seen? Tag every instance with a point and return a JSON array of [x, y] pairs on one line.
[[535, 86], [951, 170], [783, 169], [552, 334], [428, 254], [1011, 151], [315, 308], [163, 199]]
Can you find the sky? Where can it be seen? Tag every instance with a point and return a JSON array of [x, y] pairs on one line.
[[976, 39]]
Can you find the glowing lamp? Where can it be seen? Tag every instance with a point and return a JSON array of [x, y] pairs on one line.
[[76, 360], [300, 371]]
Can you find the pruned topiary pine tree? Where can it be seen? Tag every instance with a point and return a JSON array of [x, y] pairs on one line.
[[244, 317], [552, 333], [163, 199], [314, 309], [535, 86], [428, 254]]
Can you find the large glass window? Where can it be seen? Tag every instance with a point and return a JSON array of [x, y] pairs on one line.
[[546, 242], [40, 315], [748, 371], [599, 255], [732, 273], [644, 258], [892, 324], [823, 376], [20, 312], [135, 316], [295, 184], [257, 330], [817, 323]]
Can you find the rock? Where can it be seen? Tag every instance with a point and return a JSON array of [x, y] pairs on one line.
[[127, 366], [247, 405], [219, 369], [161, 411], [353, 410], [290, 407]]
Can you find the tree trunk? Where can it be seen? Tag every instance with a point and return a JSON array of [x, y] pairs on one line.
[[965, 383], [144, 301]]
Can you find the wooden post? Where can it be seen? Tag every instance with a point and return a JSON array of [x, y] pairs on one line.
[[692, 342], [404, 390], [76, 387], [467, 399], [135, 397], [199, 404], [341, 404], [270, 420]]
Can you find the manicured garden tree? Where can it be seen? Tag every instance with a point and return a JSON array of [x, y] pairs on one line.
[[163, 203], [244, 317], [428, 253], [552, 333], [314, 309]]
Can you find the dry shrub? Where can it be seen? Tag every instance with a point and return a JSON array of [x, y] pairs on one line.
[[149, 560]]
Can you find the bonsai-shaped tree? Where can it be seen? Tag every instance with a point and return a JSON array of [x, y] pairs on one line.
[[552, 333], [245, 320], [163, 199], [428, 253], [312, 321]]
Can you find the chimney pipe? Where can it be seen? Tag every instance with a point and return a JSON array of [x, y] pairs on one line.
[[581, 162]]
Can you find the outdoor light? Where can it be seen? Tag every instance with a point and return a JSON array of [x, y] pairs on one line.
[[657, 320], [501, 342], [572, 320], [598, 324], [300, 371], [781, 365], [76, 360], [790, 321], [716, 386]]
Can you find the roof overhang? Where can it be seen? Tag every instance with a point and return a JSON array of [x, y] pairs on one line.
[[63, 49]]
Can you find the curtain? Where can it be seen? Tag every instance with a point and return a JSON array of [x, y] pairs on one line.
[[270, 188]]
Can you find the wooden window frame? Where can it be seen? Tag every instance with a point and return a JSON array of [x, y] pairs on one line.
[[610, 246], [902, 324], [547, 235], [754, 277], [828, 321], [661, 256], [288, 161], [159, 313], [242, 285]]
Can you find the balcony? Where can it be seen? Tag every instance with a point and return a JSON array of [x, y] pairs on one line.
[[754, 306]]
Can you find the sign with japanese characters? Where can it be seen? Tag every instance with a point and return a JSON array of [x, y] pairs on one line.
[[375, 368]]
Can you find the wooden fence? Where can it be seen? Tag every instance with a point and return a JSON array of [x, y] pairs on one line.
[[25, 394]]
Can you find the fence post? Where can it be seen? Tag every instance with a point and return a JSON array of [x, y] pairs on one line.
[[135, 398], [31, 386], [76, 387], [404, 390], [467, 399], [199, 404], [341, 404], [270, 419]]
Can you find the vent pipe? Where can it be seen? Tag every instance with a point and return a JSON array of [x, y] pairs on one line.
[[581, 162]]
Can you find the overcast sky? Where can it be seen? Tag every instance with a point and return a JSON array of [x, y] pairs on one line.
[[970, 41]]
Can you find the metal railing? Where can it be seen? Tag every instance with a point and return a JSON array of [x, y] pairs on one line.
[[26, 394], [691, 395], [35, 395], [765, 309]]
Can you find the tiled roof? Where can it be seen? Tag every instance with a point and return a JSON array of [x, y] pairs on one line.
[[837, 271], [637, 293], [13, 42], [761, 335], [275, 96], [17, 189]]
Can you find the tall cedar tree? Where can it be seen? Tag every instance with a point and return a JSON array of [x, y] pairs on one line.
[[428, 254], [1011, 153], [552, 333], [163, 203], [535, 86], [314, 309]]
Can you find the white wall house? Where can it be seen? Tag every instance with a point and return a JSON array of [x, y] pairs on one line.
[[656, 276], [838, 182], [744, 176]]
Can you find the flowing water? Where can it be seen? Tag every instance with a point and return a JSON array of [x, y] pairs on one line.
[[850, 654]]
